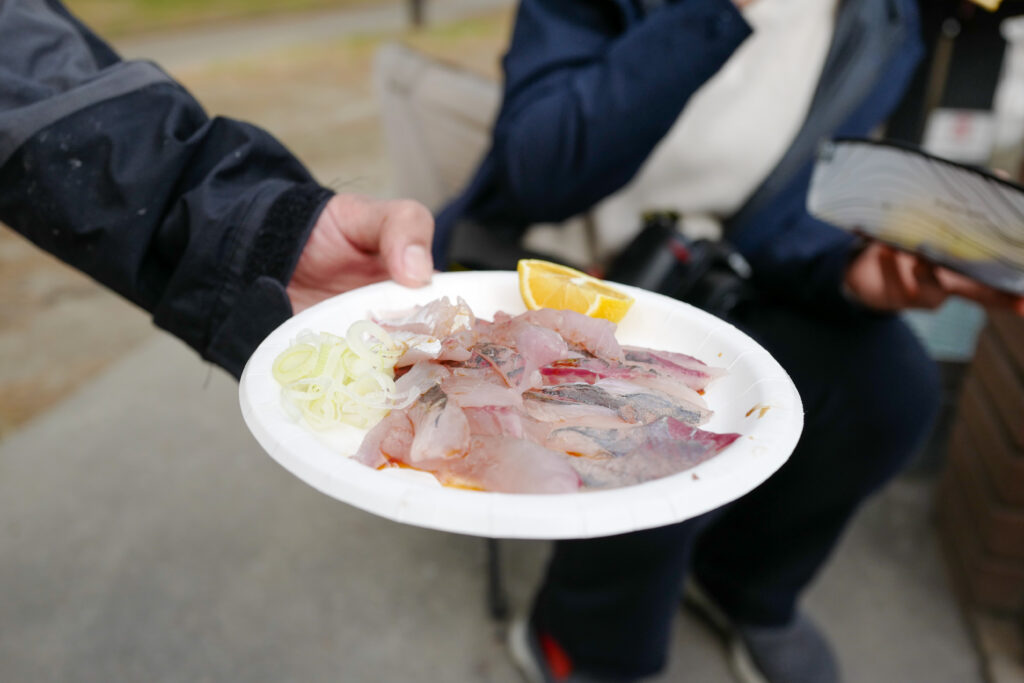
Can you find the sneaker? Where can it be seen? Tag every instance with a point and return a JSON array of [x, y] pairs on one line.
[[541, 659], [797, 652]]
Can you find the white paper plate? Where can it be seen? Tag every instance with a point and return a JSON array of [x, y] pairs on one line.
[[756, 399]]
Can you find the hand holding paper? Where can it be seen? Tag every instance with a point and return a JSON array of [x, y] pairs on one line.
[[959, 229], [888, 279]]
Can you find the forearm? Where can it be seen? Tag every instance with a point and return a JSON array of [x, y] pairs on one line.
[[583, 116], [117, 170]]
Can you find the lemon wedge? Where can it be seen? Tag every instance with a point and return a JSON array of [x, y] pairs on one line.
[[543, 284]]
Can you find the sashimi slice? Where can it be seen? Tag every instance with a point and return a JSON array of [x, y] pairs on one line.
[[506, 465], [473, 392], [595, 335], [629, 402], [694, 373], [606, 458], [495, 421], [555, 409], [537, 344], [440, 427], [420, 377], [418, 348], [388, 440], [438, 319], [592, 370]]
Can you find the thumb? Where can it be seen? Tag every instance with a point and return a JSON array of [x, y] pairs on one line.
[[406, 234]]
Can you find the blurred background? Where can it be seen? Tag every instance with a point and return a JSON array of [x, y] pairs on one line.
[[145, 536]]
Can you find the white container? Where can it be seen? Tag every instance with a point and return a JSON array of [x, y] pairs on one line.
[[1008, 150]]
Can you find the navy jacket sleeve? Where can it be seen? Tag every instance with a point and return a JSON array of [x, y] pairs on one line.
[[587, 100], [795, 256], [592, 86], [114, 168]]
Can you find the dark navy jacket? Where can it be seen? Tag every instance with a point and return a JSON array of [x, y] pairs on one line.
[[591, 87]]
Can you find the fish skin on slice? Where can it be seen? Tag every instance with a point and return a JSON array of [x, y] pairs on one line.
[[630, 402], [440, 426], [608, 458], [694, 373], [593, 370]]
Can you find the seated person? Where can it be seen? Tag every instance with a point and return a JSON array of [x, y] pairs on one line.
[[714, 109]]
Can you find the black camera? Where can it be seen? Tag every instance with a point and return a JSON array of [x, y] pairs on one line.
[[705, 273]]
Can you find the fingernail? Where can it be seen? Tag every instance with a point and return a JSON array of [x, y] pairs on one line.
[[418, 263]]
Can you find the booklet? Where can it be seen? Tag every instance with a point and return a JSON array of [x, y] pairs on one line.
[[958, 216]]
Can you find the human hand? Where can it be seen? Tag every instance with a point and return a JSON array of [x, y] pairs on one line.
[[358, 240], [889, 279]]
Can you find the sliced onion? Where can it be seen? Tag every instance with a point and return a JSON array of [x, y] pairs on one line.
[[328, 380], [295, 363], [363, 349]]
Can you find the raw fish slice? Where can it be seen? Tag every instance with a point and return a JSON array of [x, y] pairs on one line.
[[420, 377], [644, 404], [592, 370], [477, 368], [441, 429], [595, 335], [472, 392], [678, 366], [681, 359], [389, 440], [456, 346], [538, 345], [629, 402], [554, 409], [510, 366], [508, 363], [438, 319], [606, 458], [423, 347], [417, 347], [507, 465], [439, 330], [496, 421]]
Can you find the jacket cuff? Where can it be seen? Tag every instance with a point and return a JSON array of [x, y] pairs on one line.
[[278, 243], [827, 282], [259, 303]]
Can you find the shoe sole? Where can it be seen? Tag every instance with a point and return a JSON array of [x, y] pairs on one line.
[[522, 654], [740, 661]]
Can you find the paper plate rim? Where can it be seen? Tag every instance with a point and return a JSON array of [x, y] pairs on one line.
[[404, 498]]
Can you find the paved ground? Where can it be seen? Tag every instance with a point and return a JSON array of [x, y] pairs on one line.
[[145, 537]]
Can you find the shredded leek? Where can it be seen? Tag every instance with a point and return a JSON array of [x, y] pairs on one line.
[[330, 380]]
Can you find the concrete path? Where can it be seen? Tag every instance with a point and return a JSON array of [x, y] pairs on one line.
[[144, 536]]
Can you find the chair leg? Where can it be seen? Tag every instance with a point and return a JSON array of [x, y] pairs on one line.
[[497, 601]]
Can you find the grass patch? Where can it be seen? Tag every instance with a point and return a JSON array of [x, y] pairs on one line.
[[116, 18]]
